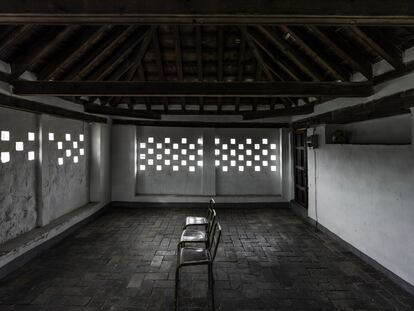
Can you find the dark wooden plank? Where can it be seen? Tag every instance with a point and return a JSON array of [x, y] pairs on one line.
[[389, 53], [350, 56], [35, 107], [394, 104], [316, 55], [291, 111], [200, 124], [122, 112], [290, 52], [192, 89], [13, 36], [371, 12]]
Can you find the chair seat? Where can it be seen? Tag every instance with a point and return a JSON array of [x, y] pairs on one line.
[[194, 255], [191, 235], [193, 221]]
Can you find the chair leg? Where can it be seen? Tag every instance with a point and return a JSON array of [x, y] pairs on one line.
[[212, 274], [177, 283], [211, 284]]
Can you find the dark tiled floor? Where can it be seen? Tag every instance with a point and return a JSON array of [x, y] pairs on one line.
[[268, 260]]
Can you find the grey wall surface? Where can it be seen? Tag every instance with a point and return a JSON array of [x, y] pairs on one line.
[[18, 176], [365, 194], [64, 187], [149, 188]]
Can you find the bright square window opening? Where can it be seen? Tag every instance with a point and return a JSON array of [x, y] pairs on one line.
[[5, 136], [31, 136], [67, 137], [19, 146], [5, 157], [51, 136], [31, 155]]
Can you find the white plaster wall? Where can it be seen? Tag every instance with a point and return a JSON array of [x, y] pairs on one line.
[[18, 177], [365, 194], [124, 168], [64, 187]]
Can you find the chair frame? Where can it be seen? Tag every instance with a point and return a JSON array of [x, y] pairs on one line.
[[211, 208], [211, 255]]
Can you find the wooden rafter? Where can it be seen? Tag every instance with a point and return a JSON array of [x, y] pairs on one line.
[[159, 61], [300, 110], [179, 58], [199, 51], [14, 36]]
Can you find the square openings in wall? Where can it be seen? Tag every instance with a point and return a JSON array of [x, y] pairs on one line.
[[69, 146], [181, 154], [10, 142], [245, 155]]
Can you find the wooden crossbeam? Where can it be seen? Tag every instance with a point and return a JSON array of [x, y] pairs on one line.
[[91, 108], [291, 111], [369, 12], [193, 89]]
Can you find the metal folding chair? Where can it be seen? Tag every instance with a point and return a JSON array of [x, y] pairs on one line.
[[194, 256], [197, 236], [201, 221]]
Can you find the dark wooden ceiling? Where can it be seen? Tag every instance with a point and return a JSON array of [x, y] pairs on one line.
[[206, 53]]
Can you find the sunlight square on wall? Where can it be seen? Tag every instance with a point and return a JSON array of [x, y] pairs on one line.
[[256, 146], [265, 141], [232, 163], [142, 156], [273, 168], [216, 141], [31, 155], [248, 163], [175, 146], [257, 168], [67, 137], [248, 152], [225, 147], [257, 157], [159, 156], [200, 163], [200, 141], [217, 152], [75, 145], [31, 136], [241, 146], [233, 153], [217, 162], [60, 161], [191, 168], [68, 153], [167, 140], [265, 163], [81, 151], [241, 157], [233, 141], [5, 157], [183, 162], [75, 159], [81, 137], [150, 140], [183, 140], [192, 146], [142, 145], [167, 162], [150, 162], [159, 146], [19, 146], [248, 141], [175, 168], [191, 157], [51, 136], [225, 157], [175, 157], [5, 135], [142, 167], [167, 151], [60, 145], [150, 151], [241, 168], [183, 151], [200, 152], [225, 169], [273, 157], [159, 168], [273, 146], [265, 152]]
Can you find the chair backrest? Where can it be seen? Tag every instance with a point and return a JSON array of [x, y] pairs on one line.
[[210, 210], [212, 220], [215, 240]]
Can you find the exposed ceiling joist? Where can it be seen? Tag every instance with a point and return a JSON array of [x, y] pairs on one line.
[[368, 12], [192, 89], [292, 111]]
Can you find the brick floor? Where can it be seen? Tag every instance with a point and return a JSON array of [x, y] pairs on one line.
[[268, 260]]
